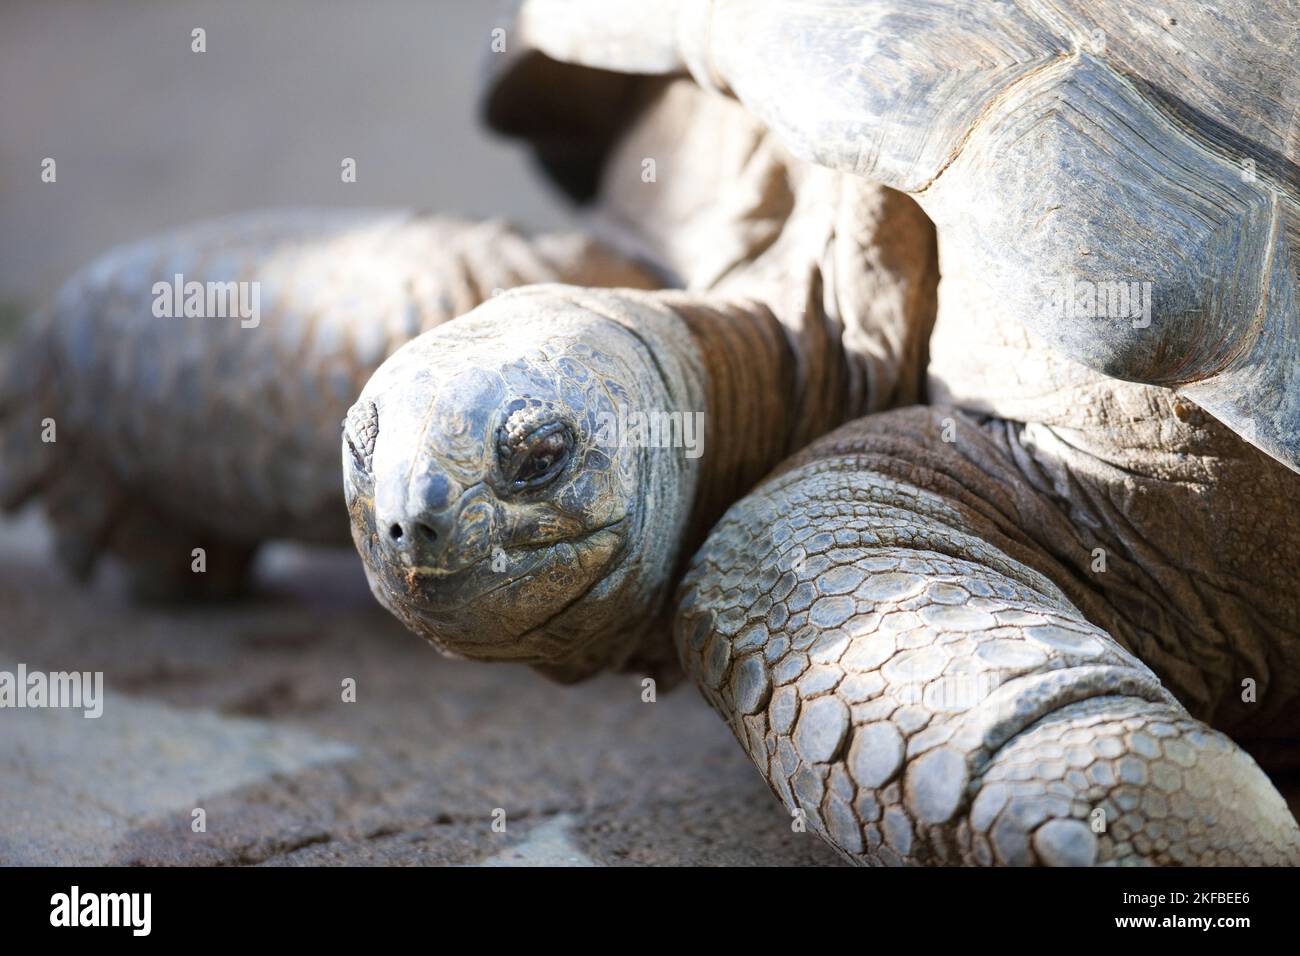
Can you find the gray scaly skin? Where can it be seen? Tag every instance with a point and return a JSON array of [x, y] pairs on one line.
[[904, 626], [885, 625]]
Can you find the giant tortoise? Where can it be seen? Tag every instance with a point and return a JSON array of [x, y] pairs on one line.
[[1036, 537]]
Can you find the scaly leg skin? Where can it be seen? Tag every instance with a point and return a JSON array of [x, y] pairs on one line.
[[884, 641], [176, 431]]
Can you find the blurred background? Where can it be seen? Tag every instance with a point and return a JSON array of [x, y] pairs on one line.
[[148, 134], [236, 709]]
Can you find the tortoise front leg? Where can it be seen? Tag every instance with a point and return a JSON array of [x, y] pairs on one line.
[[871, 624]]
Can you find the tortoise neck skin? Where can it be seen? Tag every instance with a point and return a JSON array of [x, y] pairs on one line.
[[767, 388]]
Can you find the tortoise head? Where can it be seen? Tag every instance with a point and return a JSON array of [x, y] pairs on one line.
[[498, 508]]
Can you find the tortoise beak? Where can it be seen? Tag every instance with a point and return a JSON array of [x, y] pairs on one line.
[[430, 523]]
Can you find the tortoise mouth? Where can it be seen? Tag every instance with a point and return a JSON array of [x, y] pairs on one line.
[[537, 550], [481, 612]]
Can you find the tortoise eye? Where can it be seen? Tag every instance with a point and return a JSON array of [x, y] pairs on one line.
[[534, 459], [360, 429]]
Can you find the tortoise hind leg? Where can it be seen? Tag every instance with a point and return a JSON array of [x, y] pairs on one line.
[[167, 562], [873, 625], [92, 516]]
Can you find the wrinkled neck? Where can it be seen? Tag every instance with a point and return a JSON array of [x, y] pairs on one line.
[[769, 389]]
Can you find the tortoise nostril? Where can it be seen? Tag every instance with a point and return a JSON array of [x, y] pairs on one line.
[[412, 534]]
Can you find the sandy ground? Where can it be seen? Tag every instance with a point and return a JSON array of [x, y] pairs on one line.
[[237, 710]]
